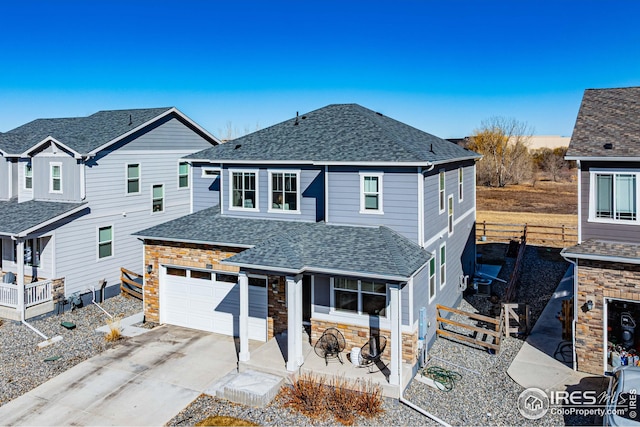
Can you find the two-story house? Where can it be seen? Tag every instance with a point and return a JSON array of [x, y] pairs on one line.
[[73, 190], [339, 217], [606, 147]]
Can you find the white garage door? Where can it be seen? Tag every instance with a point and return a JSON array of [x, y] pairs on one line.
[[211, 302]]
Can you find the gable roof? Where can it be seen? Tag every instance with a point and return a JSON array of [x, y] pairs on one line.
[[338, 133], [294, 247], [607, 116], [83, 135]]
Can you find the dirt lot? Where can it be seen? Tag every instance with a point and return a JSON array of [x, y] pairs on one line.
[[546, 197]]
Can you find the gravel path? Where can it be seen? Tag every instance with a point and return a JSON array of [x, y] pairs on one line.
[[22, 365], [485, 395]]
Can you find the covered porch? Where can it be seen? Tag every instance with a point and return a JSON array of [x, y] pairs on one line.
[[37, 299]]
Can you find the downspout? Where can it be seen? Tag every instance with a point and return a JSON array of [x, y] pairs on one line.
[[575, 309], [93, 300]]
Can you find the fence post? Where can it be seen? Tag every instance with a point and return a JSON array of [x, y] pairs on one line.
[[562, 233], [484, 228]]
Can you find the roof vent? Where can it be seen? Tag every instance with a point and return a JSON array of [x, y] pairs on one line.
[[296, 122], [431, 149], [130, 120], [237, 146], [608, 146], [378, 113], [304, 117]]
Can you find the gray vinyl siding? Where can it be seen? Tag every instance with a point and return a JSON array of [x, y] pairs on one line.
[[169, 134], [597, 230], [23, 193], [206, 190], [399, 199], [311, 193], [70, 173], [5, 168]]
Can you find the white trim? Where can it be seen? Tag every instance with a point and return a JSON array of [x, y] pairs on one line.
[[51, 166], [83, 180], [181, 162], [113, 246], [579, 201], [441, 264], [270, 208], [442, 188], [126, 179], [604, 159], [597, 257], [163, 199], [10, 180], [460, 184], [205, 169], [437, 236], [50, 139], [421, 179], [592, 195], [256, 207], [380, 193], [326, 193]]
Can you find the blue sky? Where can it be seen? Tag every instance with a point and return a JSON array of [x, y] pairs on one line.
[[441, 66]]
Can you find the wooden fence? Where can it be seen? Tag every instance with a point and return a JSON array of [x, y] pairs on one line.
[[130, 283], [548, 235], [485, 336]]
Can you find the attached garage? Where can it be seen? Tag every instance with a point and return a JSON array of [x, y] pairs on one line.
[[210, 301]]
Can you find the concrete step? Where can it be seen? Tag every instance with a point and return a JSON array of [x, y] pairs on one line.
[[250, 388]]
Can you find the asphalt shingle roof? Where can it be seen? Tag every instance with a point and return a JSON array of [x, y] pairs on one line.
[[338, 133], [81, 134], [17, 217], [297, 245], [607, 116], [593, 248]]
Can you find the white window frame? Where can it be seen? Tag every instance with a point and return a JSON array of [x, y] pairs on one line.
[[450, 214], [111, 242], [460, 184], [188, 176], [163, 198], [24, 182], [51, 178], [360, 314], [593, 197], [380, 177], [126, 179], [431, 283], [442, 186], [295, 172], [256, 207], [442, 264], [209, 172]]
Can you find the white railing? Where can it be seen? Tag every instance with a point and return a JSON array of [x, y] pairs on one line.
[[38, 292], [9, 295]]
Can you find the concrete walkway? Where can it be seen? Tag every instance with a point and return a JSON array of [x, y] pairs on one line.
[[536, 364], [145, 381]]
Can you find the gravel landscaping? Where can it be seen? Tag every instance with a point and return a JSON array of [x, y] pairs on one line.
[[485, 395], [22, 363]]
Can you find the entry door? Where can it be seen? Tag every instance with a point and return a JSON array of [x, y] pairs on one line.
[[306, 300]]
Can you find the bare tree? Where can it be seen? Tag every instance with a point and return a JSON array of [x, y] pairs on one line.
[[503, 144], [231, 132]]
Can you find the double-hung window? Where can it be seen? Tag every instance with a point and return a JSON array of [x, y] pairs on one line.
[[133, 178], [614, 196], [157, 198], [360, 296], [371, 192], [284, 192], [450, 215], [55, 177], [105, 242], [28, 176], [443, 265], [441, 188], [243, 190], [183, 175], [432, 279], [460, 184]]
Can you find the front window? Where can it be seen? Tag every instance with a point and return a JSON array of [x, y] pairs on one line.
[[284, 191], [360, 296], [443, 265], [441, 191], [28, 176], [450, 215], [105, 242], [55, 183], [133, 179], [157, 201], [616, 196], [183, 175], [432, 279], [370, 192], [243, 190], [460, 184]]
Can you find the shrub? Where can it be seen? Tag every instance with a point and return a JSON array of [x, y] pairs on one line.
[[220, 420], [114, 333]]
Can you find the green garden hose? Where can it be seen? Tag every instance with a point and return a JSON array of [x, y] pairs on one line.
[[444, 378]]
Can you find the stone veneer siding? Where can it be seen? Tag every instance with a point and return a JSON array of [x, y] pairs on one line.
[[357, 336], [598, 280]]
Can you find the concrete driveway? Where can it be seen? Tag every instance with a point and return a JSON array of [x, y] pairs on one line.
[[145, 381]]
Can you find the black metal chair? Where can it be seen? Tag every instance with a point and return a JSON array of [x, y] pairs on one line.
[[371, 352], [330, 345]]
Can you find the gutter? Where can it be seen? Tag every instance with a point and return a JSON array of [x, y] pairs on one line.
[[607, 258]]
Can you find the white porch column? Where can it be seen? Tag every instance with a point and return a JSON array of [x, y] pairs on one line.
[[294, 323], [243, 282], [395, 312], [20, 276]]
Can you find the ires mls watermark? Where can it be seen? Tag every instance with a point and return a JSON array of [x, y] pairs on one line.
[[534, 403]]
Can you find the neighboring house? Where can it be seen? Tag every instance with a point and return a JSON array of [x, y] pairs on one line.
[[606, 147], [339, 217], [73, 190]]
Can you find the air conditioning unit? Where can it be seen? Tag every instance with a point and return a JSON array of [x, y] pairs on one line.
[[482, 286]]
